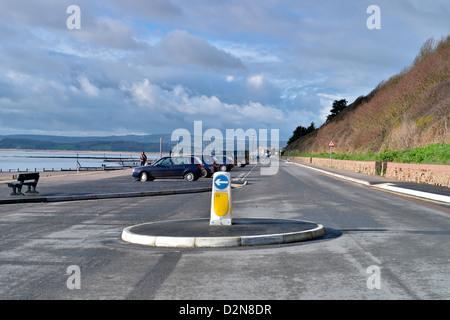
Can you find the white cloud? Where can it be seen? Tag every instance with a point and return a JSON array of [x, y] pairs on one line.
[[256, 80], [88, 87], [178, 102], [229, 78]]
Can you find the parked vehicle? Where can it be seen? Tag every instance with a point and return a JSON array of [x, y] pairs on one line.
[[210, 165], [225, 163], [187, 167], [241, 158]]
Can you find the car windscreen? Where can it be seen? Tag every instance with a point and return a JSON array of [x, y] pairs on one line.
[[157, 162]]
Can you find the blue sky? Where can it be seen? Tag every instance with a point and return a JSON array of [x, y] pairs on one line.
[[141, 67]]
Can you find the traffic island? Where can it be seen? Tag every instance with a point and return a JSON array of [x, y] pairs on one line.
[[221, 230], [198, 233]]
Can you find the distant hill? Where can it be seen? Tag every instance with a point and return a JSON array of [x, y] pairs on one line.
[[128, 143], [409, 110]]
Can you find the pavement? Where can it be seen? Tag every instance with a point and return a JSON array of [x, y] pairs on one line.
[[73, 186], [437, 194]]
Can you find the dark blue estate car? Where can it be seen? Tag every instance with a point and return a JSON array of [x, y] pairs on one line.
[[187, 167]]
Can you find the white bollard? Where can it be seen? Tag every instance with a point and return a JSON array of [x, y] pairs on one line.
[[221, 208]]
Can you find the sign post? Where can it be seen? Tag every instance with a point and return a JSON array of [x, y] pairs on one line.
[[331, 145], [221, 199]]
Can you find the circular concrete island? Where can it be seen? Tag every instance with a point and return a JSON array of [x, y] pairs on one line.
[[243, 232]]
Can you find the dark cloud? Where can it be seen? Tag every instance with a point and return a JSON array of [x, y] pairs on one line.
[[189, 49]]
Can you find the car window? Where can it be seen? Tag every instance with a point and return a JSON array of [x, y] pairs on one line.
[[196, 160], [165, 162], [179, 161]]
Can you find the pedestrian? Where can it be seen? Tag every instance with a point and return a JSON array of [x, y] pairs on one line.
[[143, 158]]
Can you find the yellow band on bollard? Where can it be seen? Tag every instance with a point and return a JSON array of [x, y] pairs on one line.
[[221, 204]]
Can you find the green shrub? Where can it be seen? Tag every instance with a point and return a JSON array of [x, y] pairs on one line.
[[431, 154]]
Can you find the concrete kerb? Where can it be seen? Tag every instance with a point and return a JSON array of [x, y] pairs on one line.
[[198, 241], [39, 199], [35, 199]]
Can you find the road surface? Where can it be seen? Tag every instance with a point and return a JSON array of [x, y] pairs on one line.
[[378, 246]]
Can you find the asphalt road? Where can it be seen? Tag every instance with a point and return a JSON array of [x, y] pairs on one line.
[[378, 246]]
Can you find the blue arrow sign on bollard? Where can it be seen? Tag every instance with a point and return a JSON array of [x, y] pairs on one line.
[[221, 182]]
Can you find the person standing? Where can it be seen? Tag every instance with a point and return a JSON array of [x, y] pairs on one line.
[[143, 158]]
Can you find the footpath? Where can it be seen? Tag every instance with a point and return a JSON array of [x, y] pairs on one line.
[[437, 194]]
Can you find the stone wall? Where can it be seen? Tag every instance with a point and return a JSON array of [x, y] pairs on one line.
[[419, 173], [366, 167]]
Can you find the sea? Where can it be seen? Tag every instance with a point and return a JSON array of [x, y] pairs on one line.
[[37, 160]]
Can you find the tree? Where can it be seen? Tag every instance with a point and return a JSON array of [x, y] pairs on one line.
[[425, 51], [301, 131], [337, 107]]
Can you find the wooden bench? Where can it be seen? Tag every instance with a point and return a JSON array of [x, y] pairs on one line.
[[24, 179]]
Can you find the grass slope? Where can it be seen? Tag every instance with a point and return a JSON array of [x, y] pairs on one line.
[[431, 154]]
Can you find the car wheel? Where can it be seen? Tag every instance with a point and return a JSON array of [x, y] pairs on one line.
[[204, 173], [144, 176], [223, 168], [189, 176]]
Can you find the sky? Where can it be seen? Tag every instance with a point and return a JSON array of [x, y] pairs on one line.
[[149, 67]]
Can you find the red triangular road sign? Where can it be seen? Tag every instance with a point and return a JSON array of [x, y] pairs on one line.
[[331, 144]]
